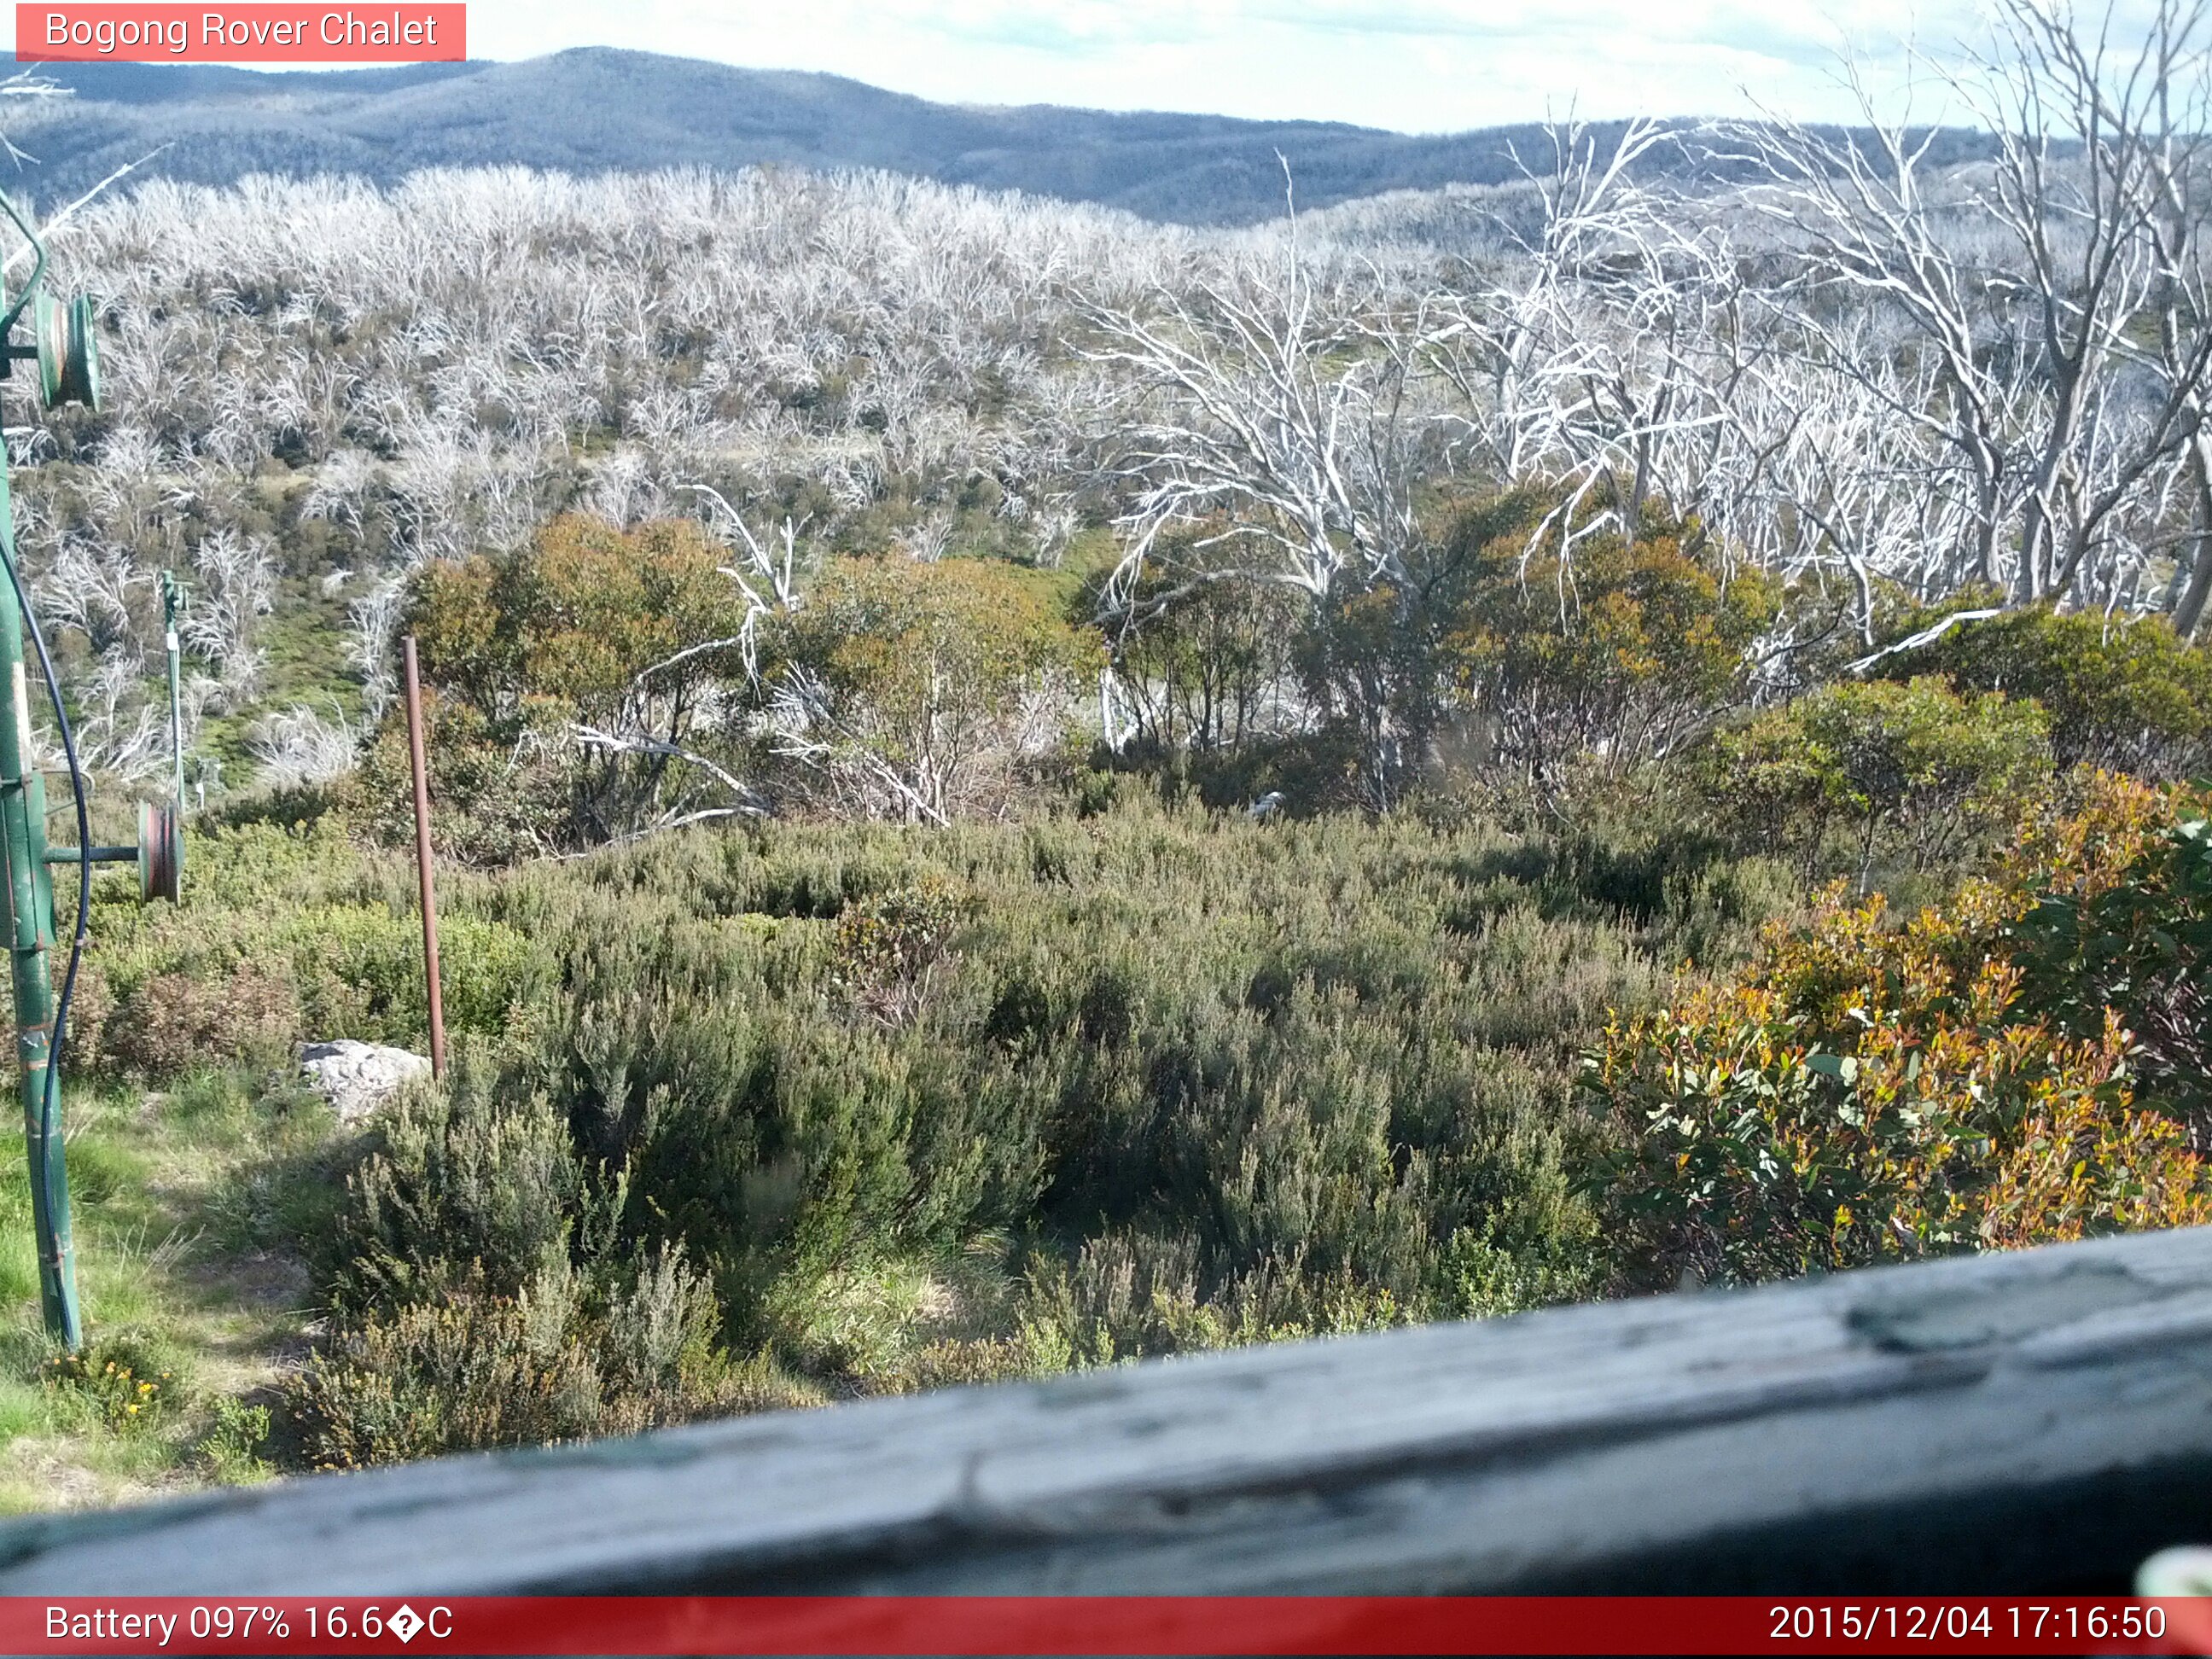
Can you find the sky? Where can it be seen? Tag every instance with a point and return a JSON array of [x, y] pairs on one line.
[[1412, 65]]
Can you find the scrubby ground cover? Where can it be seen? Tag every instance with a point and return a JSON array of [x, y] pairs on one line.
[[774, 1113], [1094, 1059], [794, 1112], [1022, 791]]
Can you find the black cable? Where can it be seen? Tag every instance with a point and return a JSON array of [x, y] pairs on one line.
[[47, 1105]]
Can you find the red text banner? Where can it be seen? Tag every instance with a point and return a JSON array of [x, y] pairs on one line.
[[255, 33], [1135, 1625]]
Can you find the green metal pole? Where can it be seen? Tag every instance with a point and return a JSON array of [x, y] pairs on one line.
[[31, 941], [169, 597]]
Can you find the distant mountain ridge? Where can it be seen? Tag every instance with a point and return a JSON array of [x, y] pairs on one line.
[[599, 109]]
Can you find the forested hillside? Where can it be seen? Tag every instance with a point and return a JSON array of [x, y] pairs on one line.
[[599, 110], [1022, 787]]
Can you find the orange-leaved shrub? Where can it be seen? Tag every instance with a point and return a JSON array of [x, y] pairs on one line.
[[1864, 1092], [2120, 920]]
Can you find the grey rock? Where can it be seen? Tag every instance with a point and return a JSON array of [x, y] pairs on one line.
[[356, 1078]]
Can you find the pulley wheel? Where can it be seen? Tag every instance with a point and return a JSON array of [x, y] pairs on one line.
[[68, 351], [160, 850]]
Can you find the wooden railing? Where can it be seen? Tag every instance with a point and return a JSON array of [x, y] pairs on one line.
[[2037, 1422]]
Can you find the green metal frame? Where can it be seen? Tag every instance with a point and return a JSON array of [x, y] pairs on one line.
[[67, 362], [172, 601], [30, 920], [30, 913]]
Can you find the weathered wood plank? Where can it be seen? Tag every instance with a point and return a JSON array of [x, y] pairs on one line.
[[2030, 1421]]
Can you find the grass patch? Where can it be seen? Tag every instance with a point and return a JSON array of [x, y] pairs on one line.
[[185, 1205]]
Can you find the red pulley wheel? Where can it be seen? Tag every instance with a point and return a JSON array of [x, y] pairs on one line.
[[160, 850]]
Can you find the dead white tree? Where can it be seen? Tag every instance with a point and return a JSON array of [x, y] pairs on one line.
[[302, 745], [1568, 363], [2022, 287], [1276, 405], [766, 570], [236, 587]]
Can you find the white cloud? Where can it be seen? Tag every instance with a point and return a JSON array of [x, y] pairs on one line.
[[1415, 66]]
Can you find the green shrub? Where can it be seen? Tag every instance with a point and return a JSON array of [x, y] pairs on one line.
[[2126, 694], [888, 949], [445, 1376], [2119, 919], [286, 935], [118, 1380], [498, 793], [1318, 1053], [360, 970], [467, 1192], [174, 1023], [568, 1356], [1203, 1080], [481, 1296], [1619, 652], [1205, 659], [1910, 763], [921, 692], [1505, 647], [236, 1438], [588, 624]]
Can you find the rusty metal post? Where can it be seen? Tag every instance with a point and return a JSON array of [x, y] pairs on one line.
[[422, 860]]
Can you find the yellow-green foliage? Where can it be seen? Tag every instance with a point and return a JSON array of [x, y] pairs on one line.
[[575, 618], [588, 624], [928, 684], [1909, 761], [283, 936], [1622, 649], [2124, 693], [1868, 1091], [360, 970]]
